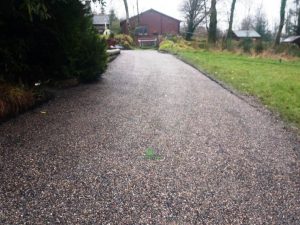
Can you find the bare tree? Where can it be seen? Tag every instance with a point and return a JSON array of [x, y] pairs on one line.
[[247, 23], [212, 31], [281, 24], [229, 32], [195, 13]]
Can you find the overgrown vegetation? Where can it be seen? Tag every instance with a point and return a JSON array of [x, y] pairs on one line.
[[259, 47], [124, 40], [276, 82], [246, 44], [287, 49], [61, 46], [45, 41], [14, 100], [175, 45]]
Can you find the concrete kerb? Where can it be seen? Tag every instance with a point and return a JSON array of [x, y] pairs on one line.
[[113, 54]]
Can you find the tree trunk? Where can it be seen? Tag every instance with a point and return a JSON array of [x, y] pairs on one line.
[[281, 24], [298, 23], [127, 16], [212, 31], [190, 30], [138, 11], [189, 35], [229, 33]]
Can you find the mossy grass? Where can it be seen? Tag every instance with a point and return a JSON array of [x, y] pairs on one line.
[[150, 154]]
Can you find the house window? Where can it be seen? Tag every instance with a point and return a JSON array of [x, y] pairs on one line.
[[141, 31]]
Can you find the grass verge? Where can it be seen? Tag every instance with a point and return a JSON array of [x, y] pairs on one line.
[[276, 83]]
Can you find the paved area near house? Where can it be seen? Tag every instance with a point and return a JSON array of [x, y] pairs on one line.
[[88, 159]]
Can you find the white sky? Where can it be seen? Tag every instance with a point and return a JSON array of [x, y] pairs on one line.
[[172, 8]]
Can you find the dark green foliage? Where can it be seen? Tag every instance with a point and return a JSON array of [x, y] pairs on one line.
[[261, 26], [294, 50], [288, 49], [247, 44], [124, 40], [259, 47], [52, 41], [171, 37], [93, 58]]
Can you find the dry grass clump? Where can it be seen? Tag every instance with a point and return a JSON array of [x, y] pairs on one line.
[[14, 100]]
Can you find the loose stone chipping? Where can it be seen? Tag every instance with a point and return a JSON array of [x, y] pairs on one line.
[[83, 162]]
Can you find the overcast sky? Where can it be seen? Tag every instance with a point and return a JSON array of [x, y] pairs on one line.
[[172, 8]]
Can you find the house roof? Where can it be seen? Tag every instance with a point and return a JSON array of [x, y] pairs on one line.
[[246, 33], [100, 19], [152, 10], [291, 39]]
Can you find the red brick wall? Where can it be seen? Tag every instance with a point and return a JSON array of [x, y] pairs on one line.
[[155, 23]]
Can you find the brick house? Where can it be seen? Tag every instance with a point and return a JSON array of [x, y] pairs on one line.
[[149, 25]]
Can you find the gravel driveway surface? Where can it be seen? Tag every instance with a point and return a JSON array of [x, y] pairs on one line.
[[155, 142]]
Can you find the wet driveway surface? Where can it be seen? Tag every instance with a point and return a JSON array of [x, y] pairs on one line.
[[155, 142]]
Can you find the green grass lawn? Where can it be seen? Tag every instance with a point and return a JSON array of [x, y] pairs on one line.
[[276, 84]]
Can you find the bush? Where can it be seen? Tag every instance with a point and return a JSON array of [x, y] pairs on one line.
[[174, 47], [203, 44], [166, 45], [171, 37], [124, 40], [15, 99], [59, 45], [246, 44], [288, 49], [93, 59], [294, 50], [259, 47]]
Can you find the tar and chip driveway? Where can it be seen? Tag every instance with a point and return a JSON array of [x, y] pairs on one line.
[[218, 160]]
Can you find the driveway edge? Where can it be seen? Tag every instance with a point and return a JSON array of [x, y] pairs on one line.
[[251, 100]]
